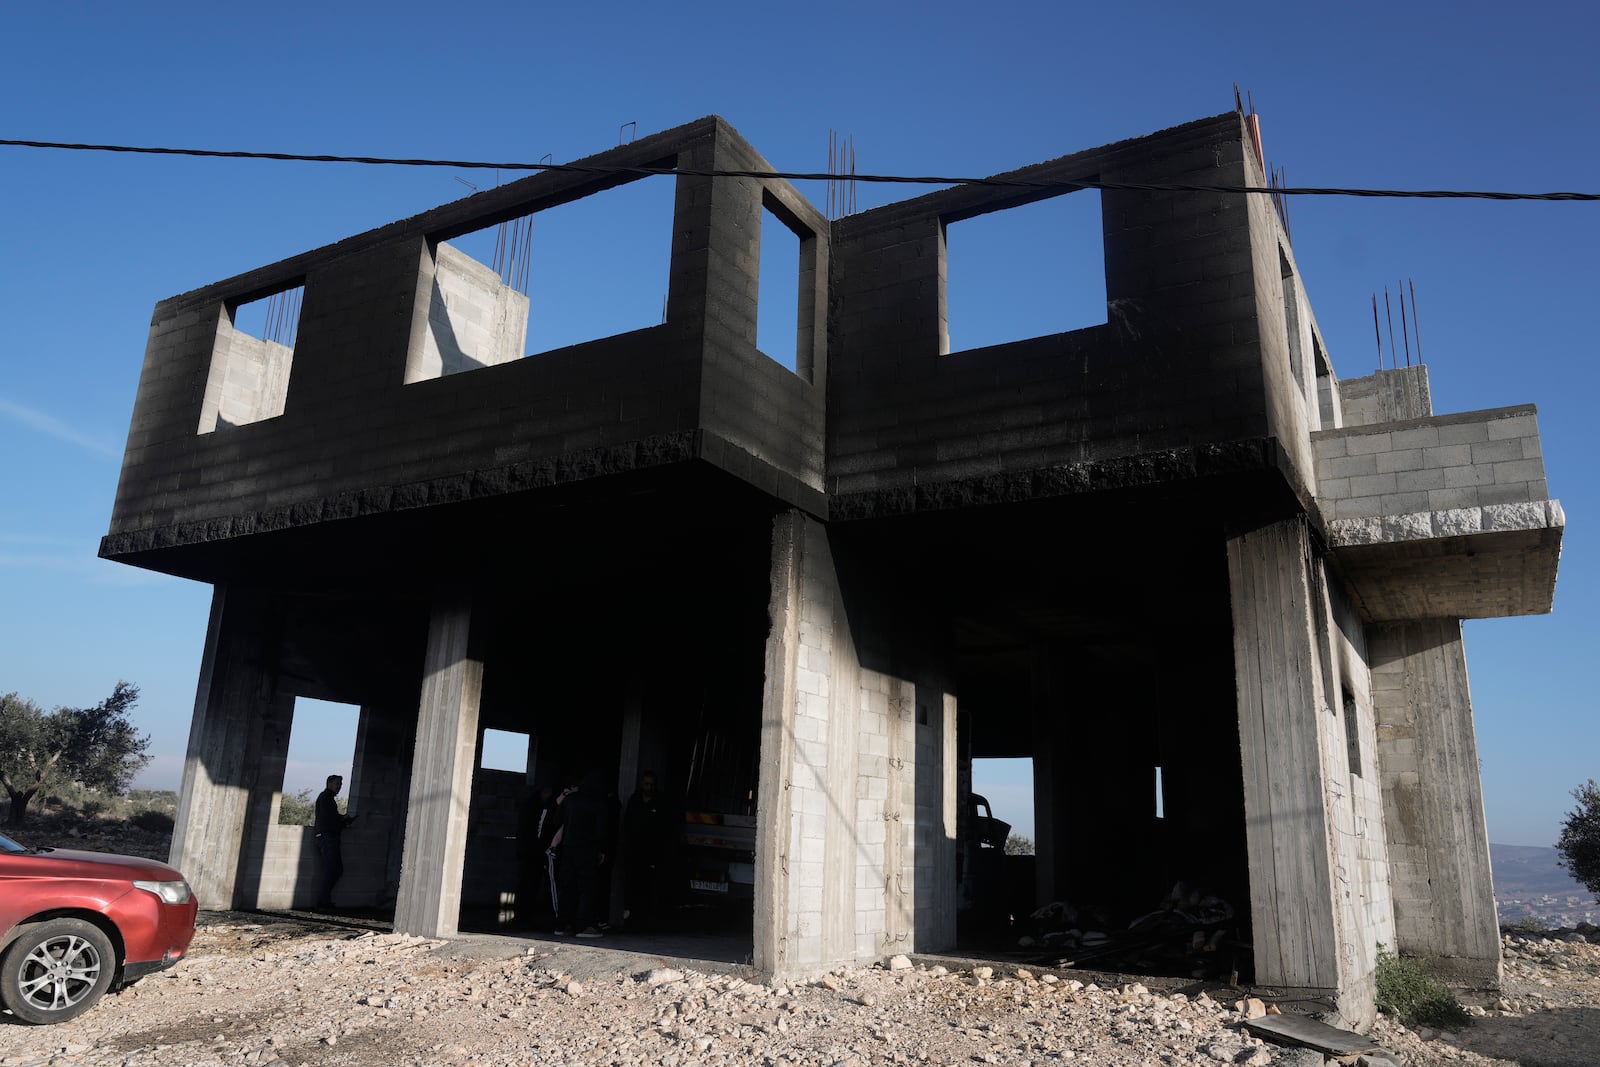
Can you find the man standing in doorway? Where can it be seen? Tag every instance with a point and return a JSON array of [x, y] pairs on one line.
[[329, 825]]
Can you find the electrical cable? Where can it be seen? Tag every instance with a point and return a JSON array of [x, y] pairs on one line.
[[887, 179]]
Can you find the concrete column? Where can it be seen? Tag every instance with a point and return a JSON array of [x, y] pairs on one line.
[[775, 803], [1433, 800], [222, 769], [934, 842], [1049, 859], [1277, 664], [379, 784], [429, 900], [269, 740]]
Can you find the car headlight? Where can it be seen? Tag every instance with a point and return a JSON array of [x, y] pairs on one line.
[[169, 892]]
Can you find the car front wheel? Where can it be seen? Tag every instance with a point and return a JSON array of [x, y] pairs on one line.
[[56, 971]]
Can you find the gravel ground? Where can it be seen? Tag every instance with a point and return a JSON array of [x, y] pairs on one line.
[[258, 990]]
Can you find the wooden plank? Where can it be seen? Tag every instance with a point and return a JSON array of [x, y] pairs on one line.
[[1300, 1030]]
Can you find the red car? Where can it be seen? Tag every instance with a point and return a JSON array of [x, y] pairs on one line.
[[73, 924]]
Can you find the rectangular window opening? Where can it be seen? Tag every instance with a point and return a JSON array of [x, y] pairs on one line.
[[504, 750], [250, 360], [1001, 814], [1352, 732], [1027, 271], [320, 731], [1161, 797], [588, 269], [778, 292], [1291, 316]]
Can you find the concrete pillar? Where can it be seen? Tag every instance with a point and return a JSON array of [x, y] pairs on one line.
[[429, 899], [776, 814], [935, 841], [1277, 665], [1433, 800], [223, 790], [1049, 768], [379, 785]]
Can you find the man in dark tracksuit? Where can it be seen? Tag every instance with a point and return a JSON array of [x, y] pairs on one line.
[[328, 827], [585, 834]]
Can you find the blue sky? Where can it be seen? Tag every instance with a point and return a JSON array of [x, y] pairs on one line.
[[1427, 95]]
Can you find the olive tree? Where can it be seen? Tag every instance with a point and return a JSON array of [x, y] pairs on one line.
[[1580, 837], [96, 747]]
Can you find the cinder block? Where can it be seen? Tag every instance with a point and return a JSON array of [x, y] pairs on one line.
[[1448, 456], [1516, 426], [1409, 459], [1521, 470], [1363, 444]]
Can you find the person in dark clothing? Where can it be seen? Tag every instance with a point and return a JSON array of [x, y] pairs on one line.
[[581, 844], [648, 834], [328, 828], [537, 825]]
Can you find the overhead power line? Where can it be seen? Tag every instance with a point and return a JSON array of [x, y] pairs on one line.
[[882, 179]]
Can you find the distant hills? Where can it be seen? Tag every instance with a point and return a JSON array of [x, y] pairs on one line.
[[1531, 884], [1527, 871]]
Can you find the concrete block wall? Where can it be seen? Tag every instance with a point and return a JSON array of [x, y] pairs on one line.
[[248, 380], [1313, 908], [1386, 396], [756, 408], [1442, 463], [1433, 800], [1288, 368], [474, 320], [1361, 871], [1178, 362], [845, 796], [355, 438]]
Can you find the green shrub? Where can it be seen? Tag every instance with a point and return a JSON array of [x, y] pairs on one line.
[[297, 809], [1411, 994]]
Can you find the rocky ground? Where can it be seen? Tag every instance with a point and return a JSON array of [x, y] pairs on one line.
[[267, 990], [260, 990]]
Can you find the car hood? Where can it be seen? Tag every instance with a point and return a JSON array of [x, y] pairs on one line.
[[100, 865]]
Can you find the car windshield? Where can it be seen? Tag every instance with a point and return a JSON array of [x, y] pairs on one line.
[[8, 845]]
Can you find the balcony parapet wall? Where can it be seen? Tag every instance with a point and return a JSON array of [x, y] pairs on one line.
[[1442, 517]]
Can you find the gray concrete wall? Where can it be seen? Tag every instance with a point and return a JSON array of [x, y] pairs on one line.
[[473, 319], [1386, 396], [1314, 909], [857, 769], [1433, 800], [225, 808], [1177, 364], [355, 438], [1441, 463], [248, 380]]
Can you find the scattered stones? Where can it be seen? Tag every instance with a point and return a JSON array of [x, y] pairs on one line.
[[280, 994]]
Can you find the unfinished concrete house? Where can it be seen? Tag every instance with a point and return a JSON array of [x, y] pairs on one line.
[[1171, 550]]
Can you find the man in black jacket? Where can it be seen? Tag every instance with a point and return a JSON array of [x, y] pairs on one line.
[[329, 825]]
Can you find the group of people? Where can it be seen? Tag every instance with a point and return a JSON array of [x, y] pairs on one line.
[[571, 846], [570, 840]]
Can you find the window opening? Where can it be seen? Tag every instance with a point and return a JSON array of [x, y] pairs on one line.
[[1291, 316], [322, 741], [1161, 797], [1352, 732], [778, 292], [1002, 815], [1027, 271], [587, 269], [250, 360], [504, 750]]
